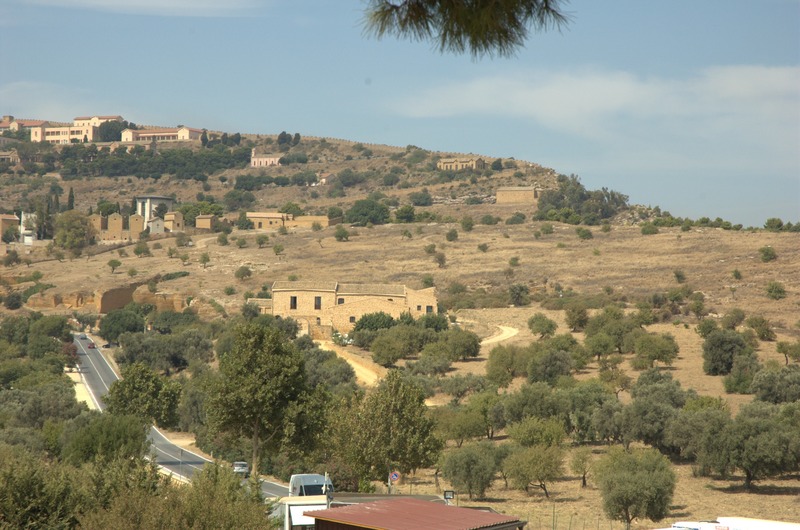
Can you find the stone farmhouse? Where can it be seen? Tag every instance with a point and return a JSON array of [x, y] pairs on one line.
[[263, 160], [8, 221], [205, 221], [322, 307], [83, 129], [113, 229], [517, 195], [457, 164], [266, 220]]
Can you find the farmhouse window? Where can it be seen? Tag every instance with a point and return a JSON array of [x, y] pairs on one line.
[[293, 302], [340, 301], [419, 308], [352, 319], [429, 309], [317, 302]]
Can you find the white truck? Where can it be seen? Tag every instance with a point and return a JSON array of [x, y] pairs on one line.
[[310, 484]]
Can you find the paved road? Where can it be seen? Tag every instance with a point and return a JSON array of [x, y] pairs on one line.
[[98, 376]]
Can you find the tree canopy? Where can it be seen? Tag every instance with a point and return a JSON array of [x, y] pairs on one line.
[[479, 27], [262, 389]]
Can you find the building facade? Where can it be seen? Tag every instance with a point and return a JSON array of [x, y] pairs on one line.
[[263, 160], [176, 134], [321, 307], [8, 221], [146, 205], [205, 222], [457, 164], [112, 229], [83, 129], [517, 195]]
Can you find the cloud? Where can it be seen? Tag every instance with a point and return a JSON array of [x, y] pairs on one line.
[[726, 116], [182, 8]]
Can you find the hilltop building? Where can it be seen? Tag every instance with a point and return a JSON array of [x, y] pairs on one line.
[[457, 164], [175, 134], [83, 129], [9, 123], [321, 307], [263, 160]]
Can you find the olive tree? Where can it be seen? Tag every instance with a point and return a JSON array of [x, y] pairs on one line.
[[635, 485], [471, 468]]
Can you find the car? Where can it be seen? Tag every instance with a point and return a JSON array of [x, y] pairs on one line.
[[242, 468], [82, 336], [91, 345], [109, 345]]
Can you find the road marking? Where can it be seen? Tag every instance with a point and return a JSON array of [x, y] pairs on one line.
[[83, 379]]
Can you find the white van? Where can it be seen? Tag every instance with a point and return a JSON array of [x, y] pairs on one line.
[[309, 484]]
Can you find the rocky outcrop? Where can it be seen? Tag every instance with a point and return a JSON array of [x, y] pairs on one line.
[[161, 300]]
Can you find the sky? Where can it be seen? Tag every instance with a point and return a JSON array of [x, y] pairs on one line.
[[692, 106]]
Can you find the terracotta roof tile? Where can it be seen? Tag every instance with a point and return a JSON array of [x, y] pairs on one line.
[[414, 514]]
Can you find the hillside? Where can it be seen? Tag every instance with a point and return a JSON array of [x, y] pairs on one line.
[[620, 265]]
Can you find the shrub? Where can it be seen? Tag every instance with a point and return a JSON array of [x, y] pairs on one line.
[[489, 220], [341, 233], [680, 276], [776, 290], [768, 254], [649, 229], [584, 233], [451, 235], [222, 239], [467, 224], [483, 247], [762, 327], [546, 229], [242, 273], [430, 249], [517, 219], [230, 290], [736, 274]]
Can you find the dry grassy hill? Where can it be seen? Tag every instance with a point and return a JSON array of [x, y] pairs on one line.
[[621, 263]]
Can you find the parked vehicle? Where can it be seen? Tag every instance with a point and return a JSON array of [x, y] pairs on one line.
[[82, 336], [309, 484], [91, 345], [242, 468]]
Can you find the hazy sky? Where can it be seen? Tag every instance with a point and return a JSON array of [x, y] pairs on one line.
[[690, 105]]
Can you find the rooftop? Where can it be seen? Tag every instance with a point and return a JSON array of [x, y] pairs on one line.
[[414, 514]]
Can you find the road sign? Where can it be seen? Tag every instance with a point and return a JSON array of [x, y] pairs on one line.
[[395, 476]]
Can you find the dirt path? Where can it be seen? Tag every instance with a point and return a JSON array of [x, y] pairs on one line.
[[506, 332], [367, 372]]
